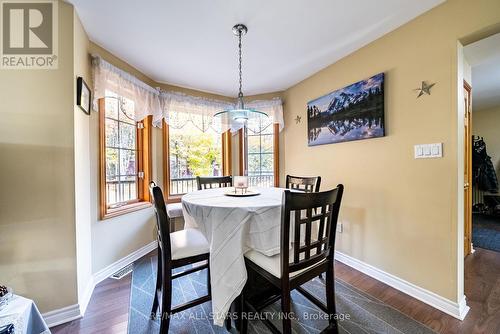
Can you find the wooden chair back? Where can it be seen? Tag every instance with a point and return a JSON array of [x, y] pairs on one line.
[[209, 182], [162, 222], [306, 209], [306, 184]]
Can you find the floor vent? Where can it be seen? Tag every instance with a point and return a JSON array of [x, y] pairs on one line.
[[123, 272]]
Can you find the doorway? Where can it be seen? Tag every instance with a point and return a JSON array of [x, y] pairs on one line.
[[478, 260], [482, 146]]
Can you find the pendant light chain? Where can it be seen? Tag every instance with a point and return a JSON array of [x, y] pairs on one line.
[[239, 115], [240, 94]]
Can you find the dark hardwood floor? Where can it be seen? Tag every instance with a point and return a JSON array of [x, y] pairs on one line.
[[107, 311], [108, 308]]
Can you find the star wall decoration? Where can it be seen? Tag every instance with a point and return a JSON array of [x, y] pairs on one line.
[[297, 119], [425, 89]]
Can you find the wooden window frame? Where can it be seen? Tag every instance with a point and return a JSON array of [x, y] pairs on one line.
[[241, 149], [276, 153], [144, 164], [226, 161]]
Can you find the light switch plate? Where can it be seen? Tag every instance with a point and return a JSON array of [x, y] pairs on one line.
[[425, 151]]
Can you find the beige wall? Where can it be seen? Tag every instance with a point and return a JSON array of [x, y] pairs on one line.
[[82, 153], [37, 193], [486, 123], [400, 214]]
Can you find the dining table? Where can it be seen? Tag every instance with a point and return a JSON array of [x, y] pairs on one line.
[[233, 225]]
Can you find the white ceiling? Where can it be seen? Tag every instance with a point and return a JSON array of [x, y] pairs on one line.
[[484, 58], [189, 43]]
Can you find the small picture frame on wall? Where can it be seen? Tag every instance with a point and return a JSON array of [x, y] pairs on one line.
[[83, 95]]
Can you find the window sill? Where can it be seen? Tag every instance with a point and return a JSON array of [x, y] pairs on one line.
[[122, 210]]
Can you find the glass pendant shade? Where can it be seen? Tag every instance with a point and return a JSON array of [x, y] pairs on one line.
[[240, 113]]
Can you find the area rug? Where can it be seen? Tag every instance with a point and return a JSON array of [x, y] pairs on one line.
[[366, 314], [486, 232]]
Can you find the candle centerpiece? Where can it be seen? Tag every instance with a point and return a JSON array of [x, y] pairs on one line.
[[240, 183]]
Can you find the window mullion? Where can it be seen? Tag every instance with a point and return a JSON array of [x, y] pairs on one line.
[[120, 195]]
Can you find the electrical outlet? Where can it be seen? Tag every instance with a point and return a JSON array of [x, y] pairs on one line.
[[340, 227]]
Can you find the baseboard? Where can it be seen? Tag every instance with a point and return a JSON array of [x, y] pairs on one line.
[[456, 310], [463, 309], [104, 273], [76, 311], [87, 294], [62, 315]]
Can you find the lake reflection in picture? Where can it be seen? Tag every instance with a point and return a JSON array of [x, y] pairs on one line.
[[351, 113]]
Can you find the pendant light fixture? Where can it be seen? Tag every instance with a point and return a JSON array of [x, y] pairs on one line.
[[240, 113]]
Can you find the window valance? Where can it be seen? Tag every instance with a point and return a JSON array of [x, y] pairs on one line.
[[109, 78], [176, 108], [273, 108]]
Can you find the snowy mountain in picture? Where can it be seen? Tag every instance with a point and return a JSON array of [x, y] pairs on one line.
[[351, 113]]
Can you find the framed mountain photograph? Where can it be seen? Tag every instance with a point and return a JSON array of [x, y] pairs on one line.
[[351, 113]]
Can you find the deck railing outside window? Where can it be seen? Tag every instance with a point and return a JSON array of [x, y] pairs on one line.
[[181, 186], [121, 190], [185, 185]]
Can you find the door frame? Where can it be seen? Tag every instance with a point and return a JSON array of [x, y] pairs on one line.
[[459, 215], [468, 249]]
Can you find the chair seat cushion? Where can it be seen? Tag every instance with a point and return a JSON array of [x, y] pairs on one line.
[[188, 242], [272, 264], [174, 210]]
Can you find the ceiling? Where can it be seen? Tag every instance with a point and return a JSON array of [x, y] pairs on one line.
[[484, 58], [190, 43]]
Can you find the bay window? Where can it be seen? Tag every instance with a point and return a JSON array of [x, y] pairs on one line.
[[197, 141]]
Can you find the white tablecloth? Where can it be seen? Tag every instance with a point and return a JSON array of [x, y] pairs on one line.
[[233, 225], [24, 315]]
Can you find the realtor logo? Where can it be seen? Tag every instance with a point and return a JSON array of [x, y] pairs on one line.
[[29, 34]]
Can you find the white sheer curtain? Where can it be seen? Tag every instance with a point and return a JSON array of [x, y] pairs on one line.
[[272, 108], [177, 108], [108, 78]]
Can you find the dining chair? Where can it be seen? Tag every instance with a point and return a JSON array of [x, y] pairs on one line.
[[208, 182], [306, 184], [176, 249], [305, 260]]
